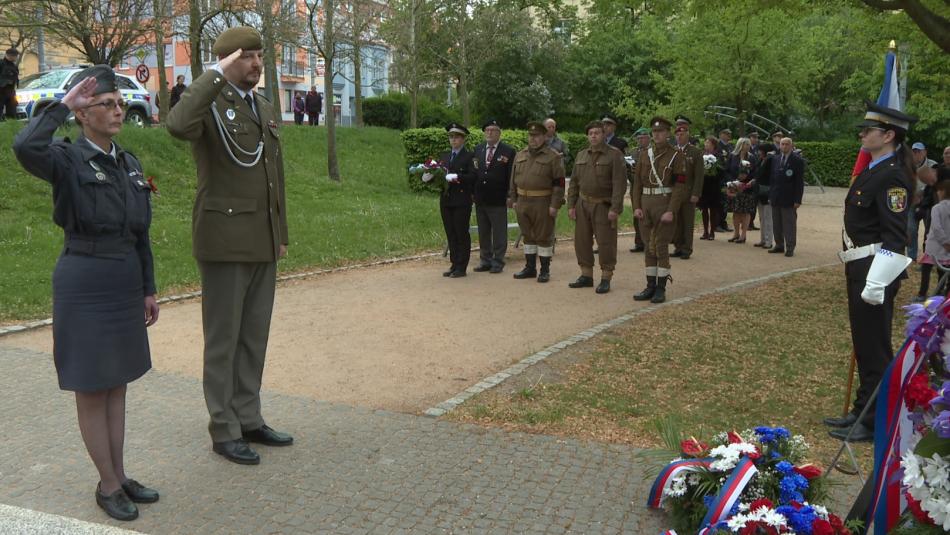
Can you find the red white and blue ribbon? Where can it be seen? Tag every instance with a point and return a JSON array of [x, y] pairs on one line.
[[892, 433], [729, 494], [665, 479]]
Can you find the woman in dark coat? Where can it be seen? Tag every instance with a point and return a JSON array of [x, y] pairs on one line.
[[710, 201], [103, 283]]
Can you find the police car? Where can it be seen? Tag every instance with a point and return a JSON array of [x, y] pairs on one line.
[[39, 90]]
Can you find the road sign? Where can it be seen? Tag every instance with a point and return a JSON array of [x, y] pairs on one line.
[[141, 73]]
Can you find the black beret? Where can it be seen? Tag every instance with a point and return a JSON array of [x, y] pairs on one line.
[[104, 75], [456, 128], [490, 122], [243, 37]]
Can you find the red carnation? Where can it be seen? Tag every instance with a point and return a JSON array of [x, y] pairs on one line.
[[758, 528], [822, 527], [808, 471], [917, 511], [919, 392], [693, 447], [761, 502], [755, 455]]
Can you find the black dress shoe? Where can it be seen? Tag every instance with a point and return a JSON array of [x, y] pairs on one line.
[[481, 268], [845, 421], [685, 256], [496, 269], [138, 492], [859, 433], [638, 249], [447, 273], [676, 254], [268, 437], [603, 287], [117, 505], [456, 274], [790, 252], [777, 250], [582, 282], [236, 451]]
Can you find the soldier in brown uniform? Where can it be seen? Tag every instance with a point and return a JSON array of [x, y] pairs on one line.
[[595, 201], [656, 197], [683, 229], [536, 194]]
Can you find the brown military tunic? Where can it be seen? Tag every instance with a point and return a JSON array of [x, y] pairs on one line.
[[598, 185], [537, 184], [656, 191], [693, 179]]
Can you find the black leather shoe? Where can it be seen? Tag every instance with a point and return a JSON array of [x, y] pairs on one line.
[[138, 492], [777, 250], [603, 287], [117, 505], [790, 252], [582, 282], [845, 421], [447, 273], [859, 433], [638, 249], [481, 268], [236, 451], [685, 256], [676, 254], [496, 269], [456, 274], [268, 437]]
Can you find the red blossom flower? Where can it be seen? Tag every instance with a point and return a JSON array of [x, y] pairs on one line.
[[919, 392], [822, 527], [761, 502], [693, 447], [808, 471], [758, 528]]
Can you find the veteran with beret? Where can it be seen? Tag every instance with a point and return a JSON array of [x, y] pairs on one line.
[[536, 194], [104, 282], [239, 232]]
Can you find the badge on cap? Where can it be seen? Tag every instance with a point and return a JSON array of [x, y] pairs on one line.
[[230, 114], [897, 199]]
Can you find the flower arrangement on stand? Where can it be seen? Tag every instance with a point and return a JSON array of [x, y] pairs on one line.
[[751, 482]]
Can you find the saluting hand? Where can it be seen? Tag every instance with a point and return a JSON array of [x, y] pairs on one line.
[[226, 63], [151, 310], [81, 94]]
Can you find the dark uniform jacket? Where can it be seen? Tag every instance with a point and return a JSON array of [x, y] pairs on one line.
[[600, 175], [537, 171], [618, 142], [461, 193], [763, 178], [9, 73], [239, 213], [492, 180], [669, 164], [102, 204], [788, 181], [875, 211]]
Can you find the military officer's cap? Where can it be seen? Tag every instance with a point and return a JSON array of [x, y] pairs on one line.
[[243, 37], [608, 118], [682, 119], [455, 128], [778, 133], [104, 75], [660, 123], [753, 133], [642, 131], [884, 117], [536, 128], [725, 131], [490, 122]]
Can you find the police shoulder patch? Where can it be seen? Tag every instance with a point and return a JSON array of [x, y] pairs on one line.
[[897, 199]]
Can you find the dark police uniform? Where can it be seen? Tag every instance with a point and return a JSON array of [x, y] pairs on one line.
[[105, 269], [455, 204]]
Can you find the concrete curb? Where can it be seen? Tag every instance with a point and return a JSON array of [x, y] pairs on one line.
[[29, 522], [494, 380]]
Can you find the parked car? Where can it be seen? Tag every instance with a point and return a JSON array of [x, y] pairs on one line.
[[39, 90]]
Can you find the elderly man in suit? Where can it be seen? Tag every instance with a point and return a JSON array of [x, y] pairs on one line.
[[239, 233], [785, 196], [493, 161]]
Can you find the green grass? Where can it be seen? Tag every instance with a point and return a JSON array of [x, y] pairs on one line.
[[370, 214]]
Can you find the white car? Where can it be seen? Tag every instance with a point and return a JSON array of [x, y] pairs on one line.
[[39, 90]]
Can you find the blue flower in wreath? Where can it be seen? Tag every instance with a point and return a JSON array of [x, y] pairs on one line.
[[801, 519], [792, 488], [785, 468]]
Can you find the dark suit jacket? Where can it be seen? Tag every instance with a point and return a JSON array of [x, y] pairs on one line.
[[618, 142], [788, 181], [492, 180], [463, 192]]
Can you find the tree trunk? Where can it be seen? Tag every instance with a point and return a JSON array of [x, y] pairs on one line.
[[158, 11], [358, 80], [414, 83], [414, 104], [194, 38], [329, 53], [271, 81], [463, 98]]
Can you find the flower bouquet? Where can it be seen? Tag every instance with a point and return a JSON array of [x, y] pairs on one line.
[[754, 481], [428, 171], [710, 164]]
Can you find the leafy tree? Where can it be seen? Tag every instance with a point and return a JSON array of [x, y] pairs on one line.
[[932, 18]]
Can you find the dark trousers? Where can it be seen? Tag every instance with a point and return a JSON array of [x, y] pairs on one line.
[[298, 118], [784, 227], [492, 234], [871, 339], [7, 102], [237, 300], [638, 236], [314, 118], [455, 220]]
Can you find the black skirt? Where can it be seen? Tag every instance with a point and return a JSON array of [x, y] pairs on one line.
[[99, 338]]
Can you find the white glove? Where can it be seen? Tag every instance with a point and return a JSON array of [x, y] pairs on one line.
[[426, 177], [886, 266], [451, 177]]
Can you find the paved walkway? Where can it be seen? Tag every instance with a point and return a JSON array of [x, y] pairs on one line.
[[352, 470]]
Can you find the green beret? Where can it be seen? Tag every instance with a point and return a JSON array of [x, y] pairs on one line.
[[104, 75], [243, 37], [536, 128], [642, 131]]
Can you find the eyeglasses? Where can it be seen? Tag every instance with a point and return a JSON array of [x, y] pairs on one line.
[[866, 129], [110, 104]]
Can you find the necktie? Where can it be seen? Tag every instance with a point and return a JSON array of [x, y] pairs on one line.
[[783, 160], [452, 158], [490, 155], [250, 102]]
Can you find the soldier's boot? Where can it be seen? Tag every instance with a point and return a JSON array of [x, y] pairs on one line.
[[545, 274], [648, 292], [530, 270], [659, 295]]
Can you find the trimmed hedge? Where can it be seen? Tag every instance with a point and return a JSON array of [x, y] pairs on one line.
[[832, 161], [392, 111]]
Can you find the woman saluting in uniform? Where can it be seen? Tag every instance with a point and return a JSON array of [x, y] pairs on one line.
[[103, 283]]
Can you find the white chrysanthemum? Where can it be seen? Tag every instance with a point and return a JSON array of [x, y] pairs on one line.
[[938, 510], [677, 487], [912, 475], [774, 519], [936, 471], [821, 510]]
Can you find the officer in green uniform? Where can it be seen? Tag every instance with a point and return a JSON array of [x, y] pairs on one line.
[[239, 231], [657, 196], [536, 194], [685, 220], [595, 201]]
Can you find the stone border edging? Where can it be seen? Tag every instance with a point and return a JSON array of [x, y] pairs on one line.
[[30, 522], [494, 380], [11, 329]]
